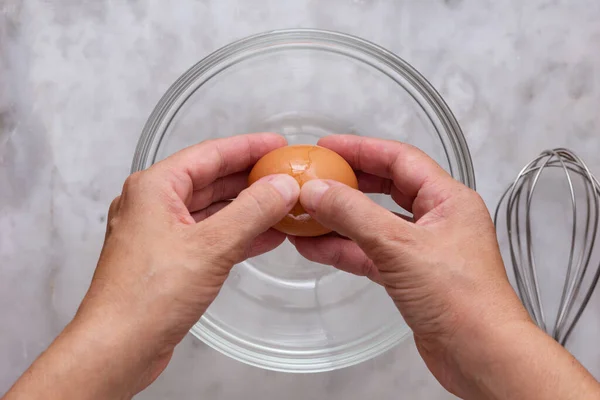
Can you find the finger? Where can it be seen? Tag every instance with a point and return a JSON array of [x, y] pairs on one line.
[[352, 214], [253, 212], [409, 168], [197, 166], [264, 243], [368, 183], [342, 254], [212, 209], [224, 188]]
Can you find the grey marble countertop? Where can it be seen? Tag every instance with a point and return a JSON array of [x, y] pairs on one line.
[[79, 78]]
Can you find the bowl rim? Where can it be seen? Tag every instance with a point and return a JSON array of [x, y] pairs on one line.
[[168, 106]]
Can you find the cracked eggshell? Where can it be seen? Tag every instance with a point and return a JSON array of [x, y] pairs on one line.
[[303, 162]]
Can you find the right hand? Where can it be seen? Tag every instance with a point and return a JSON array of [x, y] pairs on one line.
[[444, 271]]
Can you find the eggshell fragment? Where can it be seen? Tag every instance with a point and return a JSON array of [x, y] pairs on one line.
[[304, 163]]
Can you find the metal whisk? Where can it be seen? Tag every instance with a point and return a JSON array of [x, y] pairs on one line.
[[518, 201]]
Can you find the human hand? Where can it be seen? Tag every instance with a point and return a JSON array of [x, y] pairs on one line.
[[166, 255], [444, 271], [171, 241]]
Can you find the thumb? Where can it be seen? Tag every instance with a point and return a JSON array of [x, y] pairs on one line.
[[352, 214], [254, 211]]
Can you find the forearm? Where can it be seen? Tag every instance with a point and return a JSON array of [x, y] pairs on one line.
[[521, 362], [84, 362]]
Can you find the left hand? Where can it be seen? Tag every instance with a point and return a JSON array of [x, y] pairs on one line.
[[172, 239]]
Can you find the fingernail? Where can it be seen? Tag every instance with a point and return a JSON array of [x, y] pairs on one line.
[[311, 194], [285, 185]]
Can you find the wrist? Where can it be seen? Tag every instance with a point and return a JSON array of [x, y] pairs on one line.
[[517, 360], [100, 359], [476, 357], [90, 360], [118, 350], [73, 366]]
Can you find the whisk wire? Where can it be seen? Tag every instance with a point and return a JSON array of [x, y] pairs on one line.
[[589, 241], [521, 245]]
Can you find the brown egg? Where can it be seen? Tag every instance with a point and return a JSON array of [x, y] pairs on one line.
[[303, 162]]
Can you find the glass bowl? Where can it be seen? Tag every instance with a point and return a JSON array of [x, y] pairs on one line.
[[279, 311]]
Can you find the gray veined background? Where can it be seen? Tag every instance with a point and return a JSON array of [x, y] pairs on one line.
[[79, 78]]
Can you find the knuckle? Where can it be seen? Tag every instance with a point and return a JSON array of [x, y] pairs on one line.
[[368, 269], [112, 218], [138, 181], [208, 195], [147, 181], [112, 223], [114, 207], [132, 181]]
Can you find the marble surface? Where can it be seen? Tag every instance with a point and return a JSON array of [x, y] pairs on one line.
[[79, 78]]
